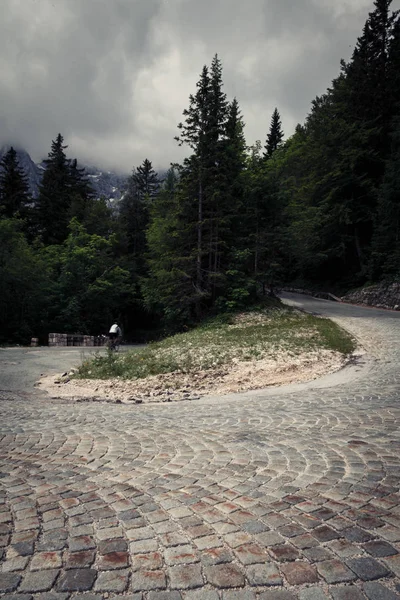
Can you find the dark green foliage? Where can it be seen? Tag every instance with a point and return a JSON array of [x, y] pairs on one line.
[[146, 180], [98, 217], [14, 189], [363, 101], [168, 289], [76, 281], [91, 288], [386, 243], [226, 226], [207, 201], [275, 135], [335, 165], [264, 219], [54, 201], [81, 194], [64, 193], [24, 285], [142, 189]]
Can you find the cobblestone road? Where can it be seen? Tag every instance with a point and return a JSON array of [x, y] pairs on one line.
[[272, 495]]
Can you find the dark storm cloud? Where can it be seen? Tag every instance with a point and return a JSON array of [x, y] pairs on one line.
[[113, 76]]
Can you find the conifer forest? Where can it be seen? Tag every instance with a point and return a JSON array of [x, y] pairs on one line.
[[318, 207]]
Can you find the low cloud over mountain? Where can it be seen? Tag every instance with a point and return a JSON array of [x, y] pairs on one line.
[[114, 76]]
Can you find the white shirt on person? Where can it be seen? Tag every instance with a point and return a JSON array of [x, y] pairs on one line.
[[115, 329]]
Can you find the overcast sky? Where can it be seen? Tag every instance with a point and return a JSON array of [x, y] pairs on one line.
[[113, 76]]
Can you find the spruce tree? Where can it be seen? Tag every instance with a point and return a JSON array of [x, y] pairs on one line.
[[368, 69], [230, 185], [54, 200], [385, 259], [195, 134], [81, 193], [204, 132], [14, 188], [393, 73], [167, 290], [142, 188], [216, 191], [367, 111], [348, 144], [79, 182], [275, 135], [386, 240], [133, 218], [146, 179]]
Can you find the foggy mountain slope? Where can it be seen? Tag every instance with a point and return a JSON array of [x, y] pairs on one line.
[[108, 184]]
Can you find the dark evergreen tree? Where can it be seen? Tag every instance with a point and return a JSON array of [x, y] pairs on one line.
[[54, 200], [100, 218], [133, 219], [228, 287], [81, 193], [192, 244], [235, 145], [91, 284], [14, 188], [167, 288], [385, 259], [146, 180], [363, 105], [142, 188], [195, 134], [386, 243], [24, 298], [347, 145], [367, 72], [218, 206], [275, 135], [393, 73], [204, 132]]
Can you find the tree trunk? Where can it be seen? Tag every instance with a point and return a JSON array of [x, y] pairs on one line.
[[256, 244], [216, 255], [358, 247], [199, 246]]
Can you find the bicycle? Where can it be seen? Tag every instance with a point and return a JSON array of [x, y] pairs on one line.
[[114, 343]]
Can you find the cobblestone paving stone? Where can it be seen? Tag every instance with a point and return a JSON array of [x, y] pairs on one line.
[[266, 496]]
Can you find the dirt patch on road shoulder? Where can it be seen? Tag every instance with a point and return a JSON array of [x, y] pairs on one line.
[[239, 376]]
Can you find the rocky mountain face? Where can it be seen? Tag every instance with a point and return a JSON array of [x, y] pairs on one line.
[[106, 184]]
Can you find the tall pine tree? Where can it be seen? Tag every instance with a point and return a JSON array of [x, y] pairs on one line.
[[195, 134], [203, 131], [275, 135], [81, 193], [348, 144], [54, 200], [385, 259], [368, 112], [14, 188], [143, 186], [167, 288], [146, 179], [386, 241]]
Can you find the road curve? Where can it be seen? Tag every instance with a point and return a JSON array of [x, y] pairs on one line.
[[275, 495]]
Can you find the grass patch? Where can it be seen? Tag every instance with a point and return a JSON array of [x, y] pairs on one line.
[[253, 335]]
